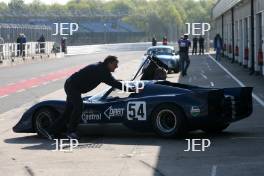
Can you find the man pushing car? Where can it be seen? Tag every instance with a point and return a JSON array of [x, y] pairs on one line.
[[78, 83]]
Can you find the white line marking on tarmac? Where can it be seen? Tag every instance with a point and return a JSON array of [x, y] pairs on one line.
[[3, 96], [205, 77], [10, 84], [34, 86], [212, 84], [237, 80], [22, 90], [213, 173], [248, 137]]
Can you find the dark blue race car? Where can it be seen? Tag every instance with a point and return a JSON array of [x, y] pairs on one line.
[[167, 108]]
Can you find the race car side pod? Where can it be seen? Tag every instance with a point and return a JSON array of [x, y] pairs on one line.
[[215, 104]]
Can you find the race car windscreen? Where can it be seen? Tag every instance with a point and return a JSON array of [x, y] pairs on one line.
[[112, 93], [98, 96], [139, 70], [160, 51], [116, 94]]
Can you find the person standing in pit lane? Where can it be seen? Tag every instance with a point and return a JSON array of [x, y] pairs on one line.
[[218, 45], [195, 41], [78, 83], [201, 45], [154, 41], [164, 41], [184, 45]]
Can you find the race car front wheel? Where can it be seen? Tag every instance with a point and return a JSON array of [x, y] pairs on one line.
[[43, 120], [168, 121]]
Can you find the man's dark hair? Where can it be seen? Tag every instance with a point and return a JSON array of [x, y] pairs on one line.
[[110, 59]]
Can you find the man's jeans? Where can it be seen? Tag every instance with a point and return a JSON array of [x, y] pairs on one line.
[[218, 54], [184, 62], [72, 113]]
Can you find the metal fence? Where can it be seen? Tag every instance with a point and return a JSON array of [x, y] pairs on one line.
[[12, 50], [10, 32]]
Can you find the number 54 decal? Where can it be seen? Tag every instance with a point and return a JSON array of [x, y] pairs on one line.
[[136, 110]]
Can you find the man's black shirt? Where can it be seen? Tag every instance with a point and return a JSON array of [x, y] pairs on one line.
[[91, 76]]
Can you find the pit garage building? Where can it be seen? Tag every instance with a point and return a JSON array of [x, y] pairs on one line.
[[241, 25]]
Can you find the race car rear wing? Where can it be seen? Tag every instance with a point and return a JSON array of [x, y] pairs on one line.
[[230, 104], [240, 101]]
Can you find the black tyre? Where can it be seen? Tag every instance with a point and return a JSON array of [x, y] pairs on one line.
[[169, 71], [43, 120], [168, 121], [218, 128]]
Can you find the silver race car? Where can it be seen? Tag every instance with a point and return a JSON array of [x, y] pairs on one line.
[[167, 55]]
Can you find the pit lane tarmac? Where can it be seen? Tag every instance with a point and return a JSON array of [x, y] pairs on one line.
[[115, 150]]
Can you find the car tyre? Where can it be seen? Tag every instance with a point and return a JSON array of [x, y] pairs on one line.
[[43, 119], [168, 121]]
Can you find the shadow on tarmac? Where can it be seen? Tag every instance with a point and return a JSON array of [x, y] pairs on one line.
[[120, 135]]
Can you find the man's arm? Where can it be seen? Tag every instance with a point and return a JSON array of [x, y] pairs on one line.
[[111, 81]]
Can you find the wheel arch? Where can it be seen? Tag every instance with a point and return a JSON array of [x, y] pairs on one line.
[[37, 109], [177, 131], [170, 103]]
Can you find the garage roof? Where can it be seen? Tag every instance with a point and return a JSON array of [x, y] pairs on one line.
[[222, 6]]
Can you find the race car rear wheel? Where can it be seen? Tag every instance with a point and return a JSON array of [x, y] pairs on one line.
[[168, 121], [43, 119], [218, 128]]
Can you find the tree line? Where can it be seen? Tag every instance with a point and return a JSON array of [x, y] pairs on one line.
[[155, 17]]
